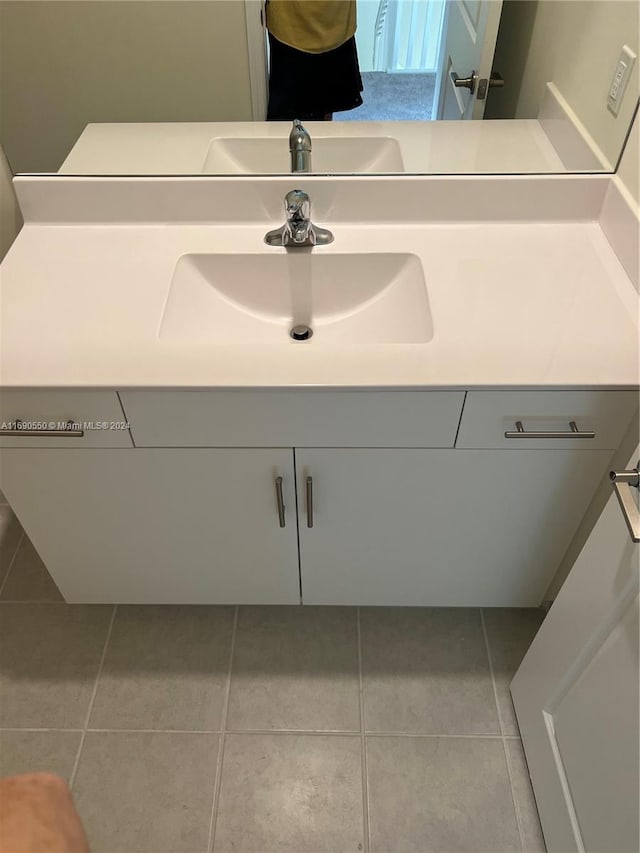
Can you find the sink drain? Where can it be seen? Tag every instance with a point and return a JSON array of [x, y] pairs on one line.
[[301, 333]]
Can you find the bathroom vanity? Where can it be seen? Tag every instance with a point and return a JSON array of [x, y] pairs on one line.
[[472, 373]]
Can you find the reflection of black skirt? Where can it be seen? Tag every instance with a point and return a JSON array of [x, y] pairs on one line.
[[310, 85]]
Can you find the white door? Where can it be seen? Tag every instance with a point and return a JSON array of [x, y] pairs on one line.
[[438, 527], [576, 698], [160, 526], [469, 42]]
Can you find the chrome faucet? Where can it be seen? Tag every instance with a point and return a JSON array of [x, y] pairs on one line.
[[299, 148], [298, 231]]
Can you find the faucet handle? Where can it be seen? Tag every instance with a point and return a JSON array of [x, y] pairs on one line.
[[297, 205]]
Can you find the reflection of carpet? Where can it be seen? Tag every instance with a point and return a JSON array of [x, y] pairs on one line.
[[393, 97]]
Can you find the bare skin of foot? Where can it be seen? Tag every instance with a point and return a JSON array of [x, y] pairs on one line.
[[37, 815]]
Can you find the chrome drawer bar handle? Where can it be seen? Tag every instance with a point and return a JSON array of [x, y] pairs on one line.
[[573, 432], [280, 502], [309, 501], [70, 431], [623, 481]]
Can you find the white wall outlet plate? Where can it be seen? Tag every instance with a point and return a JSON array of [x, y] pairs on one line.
[[620, 79]]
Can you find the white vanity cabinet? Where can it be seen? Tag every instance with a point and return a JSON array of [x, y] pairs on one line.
[[390, 497], [159, 526], [439, 527]]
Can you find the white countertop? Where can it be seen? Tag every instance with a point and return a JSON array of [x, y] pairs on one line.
[[435, 147], [522, 305]]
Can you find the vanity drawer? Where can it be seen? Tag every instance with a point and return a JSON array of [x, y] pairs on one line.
[[602, 417], [62, 419], [297, 418]]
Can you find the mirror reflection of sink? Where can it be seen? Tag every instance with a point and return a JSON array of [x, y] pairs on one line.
[[373, 298], [330, 155]]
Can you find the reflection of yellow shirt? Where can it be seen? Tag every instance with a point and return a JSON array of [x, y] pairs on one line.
[[313, 26]]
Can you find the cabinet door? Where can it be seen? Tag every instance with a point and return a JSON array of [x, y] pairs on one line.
[[159, 526], [439, 527]]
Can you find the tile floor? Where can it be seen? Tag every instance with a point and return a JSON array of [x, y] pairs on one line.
[[266, 729]]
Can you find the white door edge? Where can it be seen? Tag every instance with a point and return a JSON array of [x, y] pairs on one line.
[[257, 52]]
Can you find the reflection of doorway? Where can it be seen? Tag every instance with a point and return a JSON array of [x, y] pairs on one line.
[[398, 49]]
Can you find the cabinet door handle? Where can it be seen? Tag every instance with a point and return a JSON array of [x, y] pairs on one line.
[[622, 483], [309, 485], [572, 432], [280, 502], [69, 431]]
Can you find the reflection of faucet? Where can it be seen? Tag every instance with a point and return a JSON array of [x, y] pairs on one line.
[[300, 148], [298, 231]]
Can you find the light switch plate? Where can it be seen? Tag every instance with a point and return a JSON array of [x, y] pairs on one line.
[[620, 79]]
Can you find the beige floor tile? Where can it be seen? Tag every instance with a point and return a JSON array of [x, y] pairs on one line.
[[31, 752], [290, 794], [295, 668], [49, 658], [426, 671], [510, 633], [529, 820], [140, 792], [440, 795], [29, 579], [166, 668], [10, 533]]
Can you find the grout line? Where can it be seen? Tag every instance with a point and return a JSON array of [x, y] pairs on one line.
[[493, 678], [283, 732], [157, 731], [11, 562], [507, 757], [221, 742], [305, 732], [354, 733], [72, 778], [34, 730], [29, 600], [465, 736], [363, 744]]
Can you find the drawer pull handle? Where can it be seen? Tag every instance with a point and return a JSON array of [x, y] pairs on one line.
[[309, 501], [573, 432], [70, 431], [280, 502], [622, 483]]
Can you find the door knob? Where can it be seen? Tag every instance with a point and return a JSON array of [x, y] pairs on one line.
[[472, 82], [465, 82], [495, 81], [622, 483]]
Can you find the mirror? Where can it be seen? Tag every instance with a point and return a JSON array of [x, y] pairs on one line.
[[180, 87]]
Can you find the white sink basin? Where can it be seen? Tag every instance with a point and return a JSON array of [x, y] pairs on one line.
[[330, 155], [257, 298]]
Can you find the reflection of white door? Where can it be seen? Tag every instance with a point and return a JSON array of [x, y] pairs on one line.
[[469, 42], [576, 696], [405, 35]]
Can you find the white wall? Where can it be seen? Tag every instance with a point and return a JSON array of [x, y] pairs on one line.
[[10, 217], [576, 46], [64, 64]]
